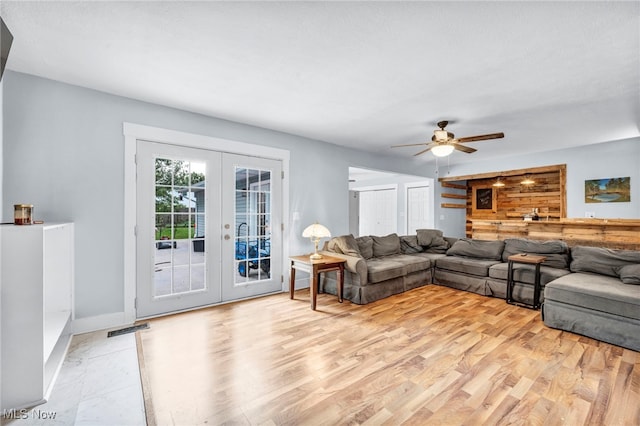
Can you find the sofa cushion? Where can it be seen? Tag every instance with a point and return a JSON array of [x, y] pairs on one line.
[[385, 246], [602, 260], [412, 263], [347, 245], [477, 249], [432, 240], [365, 245], [478, 267], [526, 273], [629, 274], [556, 251], [409, 244], [597, 292], [385, 268]]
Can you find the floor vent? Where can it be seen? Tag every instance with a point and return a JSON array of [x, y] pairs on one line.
[[126, 330]]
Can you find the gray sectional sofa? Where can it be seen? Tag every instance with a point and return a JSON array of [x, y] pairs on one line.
[[378, 267], [587, 290]]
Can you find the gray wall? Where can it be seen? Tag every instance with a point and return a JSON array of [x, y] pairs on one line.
[[604, 160], [64, 152], [64, 149]]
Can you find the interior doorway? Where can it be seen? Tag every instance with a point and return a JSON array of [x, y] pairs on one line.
[[409, 215]]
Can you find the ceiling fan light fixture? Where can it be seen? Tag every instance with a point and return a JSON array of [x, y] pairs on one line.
[[442, 150], [441, 135]]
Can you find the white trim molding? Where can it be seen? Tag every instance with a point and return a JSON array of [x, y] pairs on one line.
[[133, 133], [100, 322]]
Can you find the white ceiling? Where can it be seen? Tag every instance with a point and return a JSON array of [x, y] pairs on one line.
[[365, 75]]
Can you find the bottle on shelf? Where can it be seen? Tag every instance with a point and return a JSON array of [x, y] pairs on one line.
[[534, 214]]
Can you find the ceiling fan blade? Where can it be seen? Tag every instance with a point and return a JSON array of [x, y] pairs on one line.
[[424, 150], [463, 148], [410, 144], [482, 137]]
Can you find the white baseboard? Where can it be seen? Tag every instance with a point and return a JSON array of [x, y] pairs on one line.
[[99, 322], [300, 283]]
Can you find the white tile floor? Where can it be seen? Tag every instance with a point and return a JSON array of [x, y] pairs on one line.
[[98, 384]]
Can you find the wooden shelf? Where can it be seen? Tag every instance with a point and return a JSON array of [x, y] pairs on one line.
[[453, 206], [458, 196], [453, 185]]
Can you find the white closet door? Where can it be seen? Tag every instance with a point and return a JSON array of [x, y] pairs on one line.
[[378, 212]]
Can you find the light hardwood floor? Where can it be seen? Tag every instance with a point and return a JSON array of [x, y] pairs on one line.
[[429, 356]]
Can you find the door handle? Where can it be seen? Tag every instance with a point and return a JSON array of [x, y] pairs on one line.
[[226, 237]]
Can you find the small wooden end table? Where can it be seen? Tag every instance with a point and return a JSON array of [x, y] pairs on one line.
[[315, 268], [531, 259]]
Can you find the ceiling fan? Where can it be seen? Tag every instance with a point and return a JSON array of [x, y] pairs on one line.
[[443, 142]]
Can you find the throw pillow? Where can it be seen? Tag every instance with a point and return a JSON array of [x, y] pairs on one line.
[[629, 274], [385, 246], [432, 240], [477, 249], [365, 245], [348, 245], [556, 251], [601, 260], [409, 244]]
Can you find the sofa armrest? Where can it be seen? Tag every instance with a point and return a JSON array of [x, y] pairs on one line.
[[355, 264]]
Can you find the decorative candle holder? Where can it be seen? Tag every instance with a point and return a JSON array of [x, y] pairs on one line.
[[23, 214]]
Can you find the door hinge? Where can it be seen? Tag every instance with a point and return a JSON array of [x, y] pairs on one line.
[[135, 230], [282, 174], [135, 303], [135, 158], [281, 278], [282, 226]]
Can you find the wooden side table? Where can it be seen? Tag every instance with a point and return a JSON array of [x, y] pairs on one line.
[[315, 268], [530, 259]]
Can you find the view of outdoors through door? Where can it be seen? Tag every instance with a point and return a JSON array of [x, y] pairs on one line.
[[180, 262], [252, 224], [208, 227]]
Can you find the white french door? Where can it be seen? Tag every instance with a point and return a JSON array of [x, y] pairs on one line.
[[203, 227], [251, 211]]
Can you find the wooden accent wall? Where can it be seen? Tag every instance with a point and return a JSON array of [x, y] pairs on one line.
[[513, 200], [610, 233]]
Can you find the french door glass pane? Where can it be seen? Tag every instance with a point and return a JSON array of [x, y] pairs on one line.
[[252, 227], [180, 227]]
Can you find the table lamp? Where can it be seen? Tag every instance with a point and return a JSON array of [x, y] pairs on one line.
[[316, 232]]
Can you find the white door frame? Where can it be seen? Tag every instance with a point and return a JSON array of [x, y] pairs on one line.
[[133, 132]]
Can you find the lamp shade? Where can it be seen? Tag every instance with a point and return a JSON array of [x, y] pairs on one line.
[[316, 231], [442, 150]]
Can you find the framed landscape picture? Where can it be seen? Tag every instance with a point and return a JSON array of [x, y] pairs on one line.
[[608, 190]]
